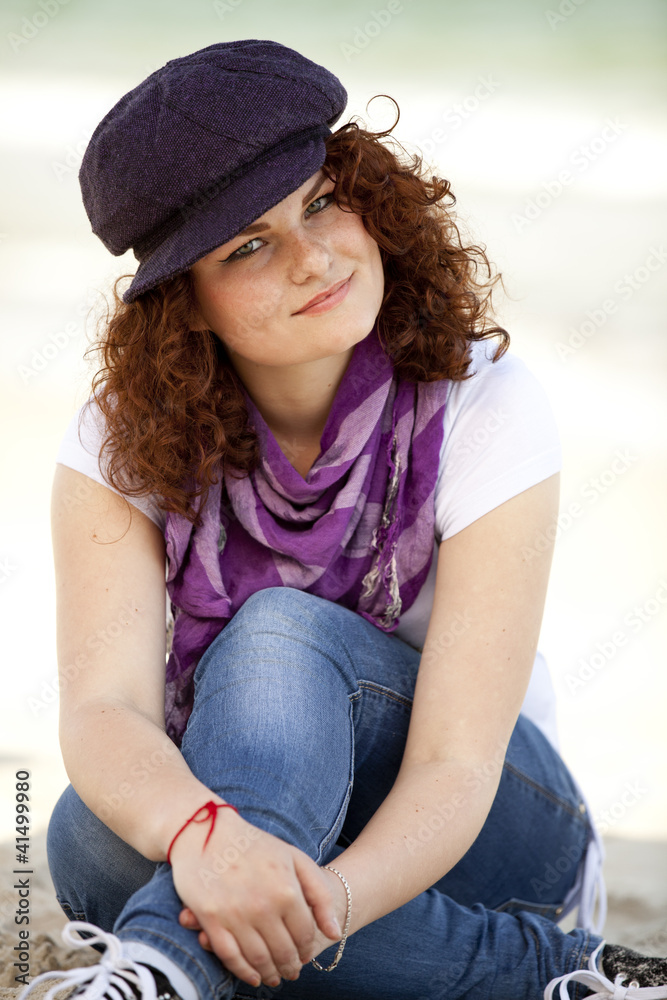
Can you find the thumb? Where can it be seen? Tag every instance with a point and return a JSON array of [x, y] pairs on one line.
[[318, 897]]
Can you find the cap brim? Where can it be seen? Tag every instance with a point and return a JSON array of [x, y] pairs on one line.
[[220, 215]]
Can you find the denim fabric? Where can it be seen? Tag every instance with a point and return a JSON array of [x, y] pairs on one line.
[[300, 718]]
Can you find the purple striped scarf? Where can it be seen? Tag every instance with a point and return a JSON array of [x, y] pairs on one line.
[[359, 530]]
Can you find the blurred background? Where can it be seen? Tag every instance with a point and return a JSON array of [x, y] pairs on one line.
[[548, 118]]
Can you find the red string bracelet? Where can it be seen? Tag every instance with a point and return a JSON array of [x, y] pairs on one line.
[[211, 808]]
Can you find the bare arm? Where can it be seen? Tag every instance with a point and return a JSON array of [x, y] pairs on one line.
[[110, 586], [110, 595], [476, 663]]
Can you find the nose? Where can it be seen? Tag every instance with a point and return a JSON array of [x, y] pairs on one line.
[[310, 256]]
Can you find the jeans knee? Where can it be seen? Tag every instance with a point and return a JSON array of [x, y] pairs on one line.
[[284, 615], [265, 604]]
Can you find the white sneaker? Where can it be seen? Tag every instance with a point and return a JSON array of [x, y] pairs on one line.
[[116, 976], [606, 990]]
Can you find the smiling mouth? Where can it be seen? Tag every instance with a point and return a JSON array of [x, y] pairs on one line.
[[335, 293]]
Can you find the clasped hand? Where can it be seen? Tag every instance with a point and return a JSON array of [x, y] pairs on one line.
[[264, 913]]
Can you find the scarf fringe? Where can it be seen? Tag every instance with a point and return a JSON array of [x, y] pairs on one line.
[[384, 541]]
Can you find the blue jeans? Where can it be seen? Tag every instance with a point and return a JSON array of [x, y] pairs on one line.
[[300, 718]]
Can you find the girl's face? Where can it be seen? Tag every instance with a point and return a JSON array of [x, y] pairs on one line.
[[254, 292]]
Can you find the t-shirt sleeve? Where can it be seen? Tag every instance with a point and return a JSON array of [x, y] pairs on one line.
[[500, 438], [80, 450]]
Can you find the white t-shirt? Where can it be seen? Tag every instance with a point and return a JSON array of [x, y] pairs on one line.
[[500, 438]]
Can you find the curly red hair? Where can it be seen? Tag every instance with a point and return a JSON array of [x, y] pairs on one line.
[[173, 405]]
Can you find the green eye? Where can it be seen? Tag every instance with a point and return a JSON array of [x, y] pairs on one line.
[[322, 197], [238, 254]]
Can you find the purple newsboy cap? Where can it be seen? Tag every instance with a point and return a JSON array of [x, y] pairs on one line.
[[203, 147]]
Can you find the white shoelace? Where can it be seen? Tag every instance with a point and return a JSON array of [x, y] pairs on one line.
[[607, 990], [111, 976]]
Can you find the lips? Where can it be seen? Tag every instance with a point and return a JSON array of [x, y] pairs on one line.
[[323, 295]]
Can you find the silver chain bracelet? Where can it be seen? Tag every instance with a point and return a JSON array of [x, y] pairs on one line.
[[341, 946]]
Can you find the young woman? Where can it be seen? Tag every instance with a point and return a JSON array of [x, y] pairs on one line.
[[303, 413]]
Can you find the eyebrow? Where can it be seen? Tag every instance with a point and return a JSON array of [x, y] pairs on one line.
[[258, 227]]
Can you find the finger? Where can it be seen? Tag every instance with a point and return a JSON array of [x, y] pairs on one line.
[[282, 948], [301, 926], [205, 941], [187, 918], [226, 947], [318, 896], [256, 953]]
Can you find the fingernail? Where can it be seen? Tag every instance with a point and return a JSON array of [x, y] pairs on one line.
[[336, 926]]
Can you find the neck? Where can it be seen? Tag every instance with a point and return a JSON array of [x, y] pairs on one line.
[[294, 400]]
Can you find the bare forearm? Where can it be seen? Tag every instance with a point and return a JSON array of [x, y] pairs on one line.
[[425, 825], [130, 774]]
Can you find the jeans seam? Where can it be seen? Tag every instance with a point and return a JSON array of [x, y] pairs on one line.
[[342, 812], [387, 692], [546, 910], [546, 792], [332, 832], [69, 909]]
